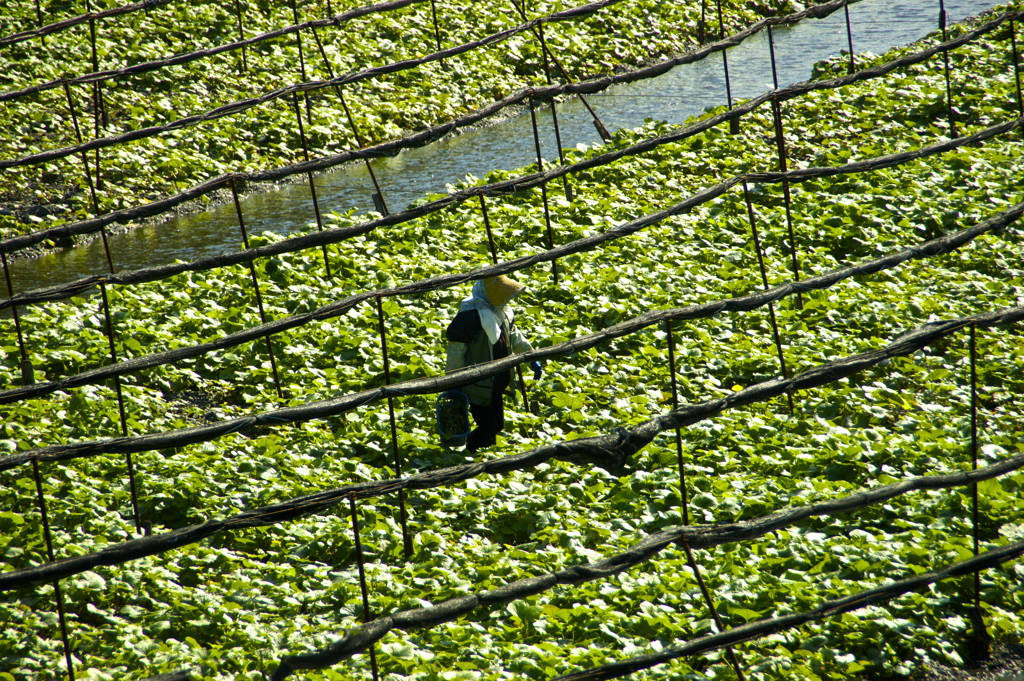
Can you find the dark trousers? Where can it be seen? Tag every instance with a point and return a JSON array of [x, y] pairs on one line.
[[490, 419]]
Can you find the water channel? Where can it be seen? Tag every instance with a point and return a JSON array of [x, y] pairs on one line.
[[685, 91]]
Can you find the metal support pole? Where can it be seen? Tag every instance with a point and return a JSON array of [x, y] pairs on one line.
[[1016, 66], [702, 29], [367, 616], [302, 61], [602, 131], [522, 389], [98, 104], [27, 374], [256, 287], [543, 188], [980, 634], [378, 196], [437, 32], [85, 157], [734, 124], [312, 186], [120, 407], [241, 36], [780, 143], [487, 226], [683, 495], [849, 35], [97, 87], [406, 539], [974, 458], [764, 281], [771, 53], [88, 178], [106, 248], [97, 91], [56, 583], [113, 356], [39, 19], [96, 156], [554, 114], [714, 611], [945, 61]]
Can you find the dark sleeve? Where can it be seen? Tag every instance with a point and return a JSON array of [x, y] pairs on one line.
[[464, 327]]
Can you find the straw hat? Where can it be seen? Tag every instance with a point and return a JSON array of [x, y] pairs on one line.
[[501, 289]]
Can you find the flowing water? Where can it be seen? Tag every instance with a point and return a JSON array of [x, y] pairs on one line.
[[685, 91]]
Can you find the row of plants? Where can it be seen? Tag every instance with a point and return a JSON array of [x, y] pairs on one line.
[[231, 607], [39, 196]]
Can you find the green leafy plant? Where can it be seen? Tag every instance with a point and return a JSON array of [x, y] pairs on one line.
[[231, 607]]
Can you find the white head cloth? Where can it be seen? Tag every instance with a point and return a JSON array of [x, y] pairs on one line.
[[490, 316]]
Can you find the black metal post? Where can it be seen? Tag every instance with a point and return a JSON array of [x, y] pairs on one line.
[[702, 29], [302, 61], [378, 196], [602, 131], [714, 611], [97, 91], [945, 61], [974, 457], [113, 356], [849, 35], [543, 188], [256, 287], [120, 407], [734, 123], [404, 516], [312, 186], [367, 616], [683, 495], [487, 226], [106, 248], [27, 373], [437, 32], [780, 143], [1016, 66], [764, 281], [99, 112], [57, 593], [554, 113], [980, 634], [85, 156], [39, 20], [241, 36], [771, 53]]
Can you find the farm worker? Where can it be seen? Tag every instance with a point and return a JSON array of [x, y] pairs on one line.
[[484, 330]]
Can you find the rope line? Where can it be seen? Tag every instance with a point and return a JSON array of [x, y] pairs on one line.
[[360, 637], [431, 385], [608, 448], [177, 60], [80, 19], [612, 451], [332, 236], [430, 135], [934, 247], [243, 105], [761, 628]]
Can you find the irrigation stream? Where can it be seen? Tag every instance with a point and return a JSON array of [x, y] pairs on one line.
[[675, 96]]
